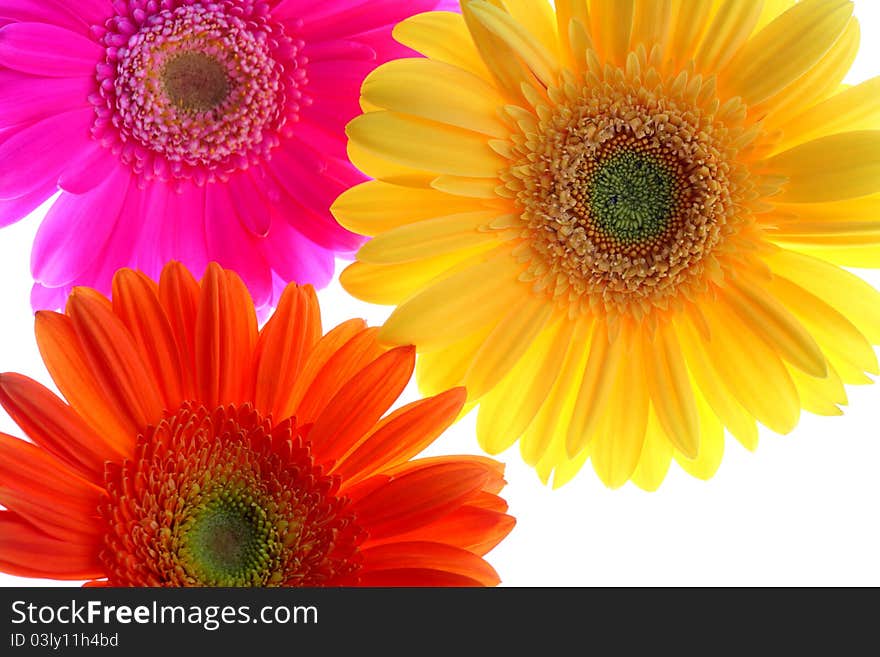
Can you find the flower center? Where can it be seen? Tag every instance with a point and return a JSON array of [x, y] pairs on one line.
[[628, 187], [225, 499], [631, 197], [195, 82], [196, 89]]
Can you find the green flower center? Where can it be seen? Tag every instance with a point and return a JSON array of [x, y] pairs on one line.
[[632, 197], [230, 541]]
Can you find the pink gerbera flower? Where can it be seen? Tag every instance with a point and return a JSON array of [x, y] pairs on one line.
[[194, 130]]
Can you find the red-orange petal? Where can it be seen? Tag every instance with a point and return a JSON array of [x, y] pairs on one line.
[[495, 469], [179, 295], [418, 497], [284, 343], [470, 528], [25, 551], [114, 360], [362, 349], [402, 435], [70, 369], [359, 404], [36, 485], [55, 426], [421, 563], [226, 334], [136, 303], [323, 351]]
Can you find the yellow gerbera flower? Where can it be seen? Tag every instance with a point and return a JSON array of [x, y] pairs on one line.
[[620, 223]]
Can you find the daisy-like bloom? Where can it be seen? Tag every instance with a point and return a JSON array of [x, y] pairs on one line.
[[197, 450], [187, 130], [619, 223]]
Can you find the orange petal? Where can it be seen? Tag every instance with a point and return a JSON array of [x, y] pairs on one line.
[[422, 563], [55, 426], [27, 552], [470, 528], [349, 359], [38, 486], [361, 401], [136, 303], [179, 295], [285, 341], [418, 497], [113, 357], [226, 336], [403, 434], [70, 369]]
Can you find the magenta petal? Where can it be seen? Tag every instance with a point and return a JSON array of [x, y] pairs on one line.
[[12, 211], [42, 49], [48, 298], [152, 252], [253, 208], [75, 230], [92, 168], [41, 151], [234, 247], [181, 225], [296, 258], [337, 19], [25, 98], [57, 12]]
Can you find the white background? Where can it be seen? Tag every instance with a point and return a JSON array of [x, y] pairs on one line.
[[802, 510]]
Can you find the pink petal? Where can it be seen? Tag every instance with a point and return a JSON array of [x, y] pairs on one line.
[[26, 98], [253, 208], [75, 229], [91, 168], [153, 252], [48, 298], [295, 258], [181, 226], [55, 12], [327, 20], [42, 49], [37, 154], [12, 211], [234, 247]]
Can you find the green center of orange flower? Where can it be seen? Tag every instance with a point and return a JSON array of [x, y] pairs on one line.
[[195, 82], [224, 498]]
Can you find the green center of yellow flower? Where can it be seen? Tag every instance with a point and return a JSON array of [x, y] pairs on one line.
[[230, 541], [631, 197], [195, 82]]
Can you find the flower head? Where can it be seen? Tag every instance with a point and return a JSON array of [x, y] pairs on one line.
[[184, 129], [197, 450], [620, 223]]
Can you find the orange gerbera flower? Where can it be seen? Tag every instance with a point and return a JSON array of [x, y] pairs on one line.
[[197, 450]]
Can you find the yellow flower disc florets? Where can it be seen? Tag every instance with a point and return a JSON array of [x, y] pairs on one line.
[[628, 185]]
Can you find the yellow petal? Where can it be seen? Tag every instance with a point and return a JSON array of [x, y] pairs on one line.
[[732, 414], [615, 451], [481, 188], [821, 81], [446, 94], [730, 28], [786, 49], [857, 108], [507, 344], [393, 284], [598, 376], [656, 456], [391, 172], [821, 396], [375, 206], [457, 305], [543, 443], [690, 19], [442, 369], [566, 12], [444, 37], [845, 292], [859, 255], [768, 318], [612, 22], [671, 394], [833, 168], [519, 39], [429, 238], [426, 145], [752, 371], [651, 24], [706, 463], [539, 19], [507, 411], [772, 9]]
